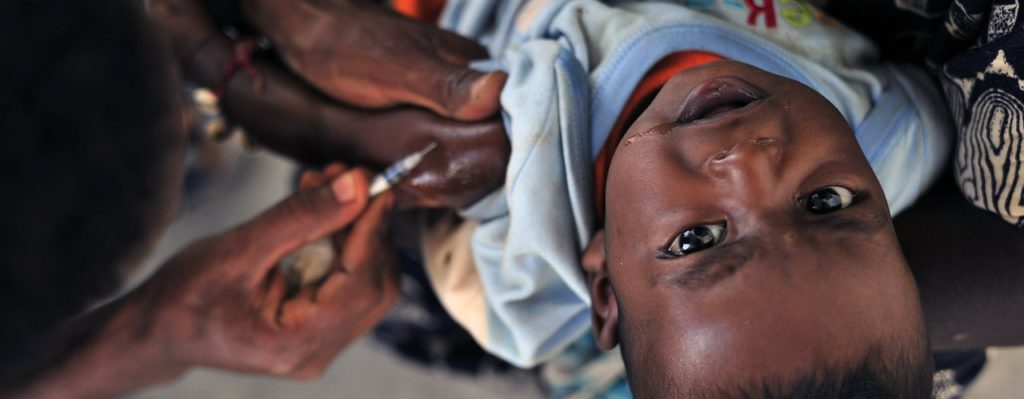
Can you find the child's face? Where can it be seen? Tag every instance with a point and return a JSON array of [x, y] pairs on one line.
[[767, 279]]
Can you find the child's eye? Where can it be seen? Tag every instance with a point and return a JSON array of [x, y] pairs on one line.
[[696, 238], [828, 199]]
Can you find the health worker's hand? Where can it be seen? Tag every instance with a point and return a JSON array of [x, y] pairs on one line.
[[221, 302]]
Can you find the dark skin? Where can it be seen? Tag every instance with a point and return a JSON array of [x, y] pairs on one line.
[[782, 284], [347, 48], [221, 302], [369, 109], [961, 315], [149, 336], [938, 267]]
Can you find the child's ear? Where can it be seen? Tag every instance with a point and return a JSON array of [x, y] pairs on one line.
[[604, 307]]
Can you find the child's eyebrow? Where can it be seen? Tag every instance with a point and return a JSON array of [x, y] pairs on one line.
[[711, 266], [715, 264], [861, 224]]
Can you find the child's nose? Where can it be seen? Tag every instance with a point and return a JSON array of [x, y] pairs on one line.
[[750, 165]]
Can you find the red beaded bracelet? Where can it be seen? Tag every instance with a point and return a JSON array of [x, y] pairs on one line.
[[241, 59]]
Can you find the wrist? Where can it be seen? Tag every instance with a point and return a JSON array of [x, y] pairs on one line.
[[122, 356], [206, 66]]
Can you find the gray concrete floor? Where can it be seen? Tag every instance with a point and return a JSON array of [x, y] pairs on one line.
[[256, 181], [362, 371], [1003, 376]]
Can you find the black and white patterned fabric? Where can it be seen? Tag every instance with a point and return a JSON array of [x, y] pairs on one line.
[[954, 372], [976, 49], [986, 95]]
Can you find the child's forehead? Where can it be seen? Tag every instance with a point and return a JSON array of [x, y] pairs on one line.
[[789, 311]]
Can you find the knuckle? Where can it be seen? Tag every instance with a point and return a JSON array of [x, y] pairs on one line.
[[454, 82], [302, 208], [299, 206]]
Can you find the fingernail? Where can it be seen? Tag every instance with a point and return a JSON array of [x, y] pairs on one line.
[[479, 85], [344, 187], [482, 101]]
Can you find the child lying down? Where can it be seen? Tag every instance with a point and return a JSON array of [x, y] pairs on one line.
[[706, 184]]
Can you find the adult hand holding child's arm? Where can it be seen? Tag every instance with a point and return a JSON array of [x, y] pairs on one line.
[[363, 53], [379, 59]]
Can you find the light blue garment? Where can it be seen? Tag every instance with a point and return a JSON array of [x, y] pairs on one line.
[[572, 69]]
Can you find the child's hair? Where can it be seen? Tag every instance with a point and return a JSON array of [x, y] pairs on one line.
[[861, 382], [87, 108], [905, 374]]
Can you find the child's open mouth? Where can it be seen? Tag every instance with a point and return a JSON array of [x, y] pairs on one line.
[[719, 96]]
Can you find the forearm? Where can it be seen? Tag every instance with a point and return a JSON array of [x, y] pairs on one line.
[[280, 111], [123, 355], [284, 114]]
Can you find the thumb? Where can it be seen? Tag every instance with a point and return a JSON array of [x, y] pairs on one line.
[[304, 217], [368, 238], [462, 93]]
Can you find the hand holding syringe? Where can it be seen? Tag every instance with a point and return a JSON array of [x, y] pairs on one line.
[[312, 261]]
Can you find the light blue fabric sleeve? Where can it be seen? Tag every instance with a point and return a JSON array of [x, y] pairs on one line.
[[528, 260], [907, 136]]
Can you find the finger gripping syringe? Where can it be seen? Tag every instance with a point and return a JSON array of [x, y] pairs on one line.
[[312, 261]]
